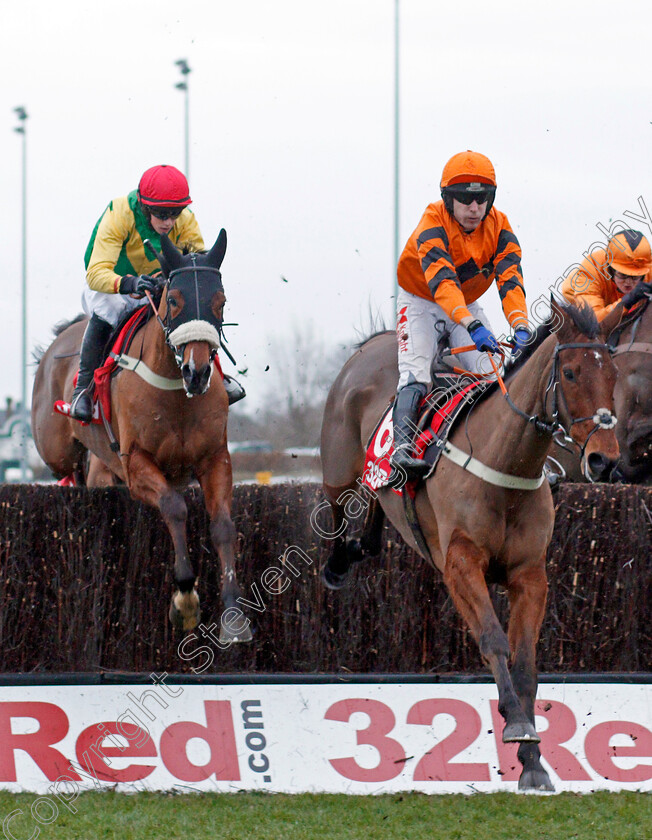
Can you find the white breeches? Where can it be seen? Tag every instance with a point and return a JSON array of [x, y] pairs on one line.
[[417, 338], [109, 308]]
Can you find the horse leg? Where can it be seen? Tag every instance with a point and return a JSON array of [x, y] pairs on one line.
[[527, 589], [371, 540], [217, 486], [147, 483], [464, 575], [345, 552]]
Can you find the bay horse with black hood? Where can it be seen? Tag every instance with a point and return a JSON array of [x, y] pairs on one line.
[[492, 525], [163, 438]]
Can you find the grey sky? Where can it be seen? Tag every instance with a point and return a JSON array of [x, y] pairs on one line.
[[292, 141]]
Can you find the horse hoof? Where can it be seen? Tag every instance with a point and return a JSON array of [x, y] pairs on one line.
[[535, 780], [521, 731], [331, 579], [184, 610]]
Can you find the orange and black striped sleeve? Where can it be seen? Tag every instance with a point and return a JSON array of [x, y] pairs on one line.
[[432, 251], [509, 277]]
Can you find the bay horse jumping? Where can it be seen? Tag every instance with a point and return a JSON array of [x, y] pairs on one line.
[[163, 439], [476, 531]]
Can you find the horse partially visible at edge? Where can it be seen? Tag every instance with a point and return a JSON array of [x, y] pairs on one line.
[[476, 532], [631, 340], [167, 430]]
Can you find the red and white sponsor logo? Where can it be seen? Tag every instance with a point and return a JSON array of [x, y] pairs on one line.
[[402, 330], [377, 464], [369, 738]]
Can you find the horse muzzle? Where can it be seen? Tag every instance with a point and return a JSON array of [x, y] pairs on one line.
[[196, 379]]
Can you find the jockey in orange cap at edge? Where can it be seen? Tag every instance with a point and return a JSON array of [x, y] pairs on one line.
[[618, 274], [459, 248]]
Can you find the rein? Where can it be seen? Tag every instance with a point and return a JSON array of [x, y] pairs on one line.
[[634, 320], [602, 419]]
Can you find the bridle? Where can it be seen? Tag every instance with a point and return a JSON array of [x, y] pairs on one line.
[[633, 320], [602, 418], [190, 324]]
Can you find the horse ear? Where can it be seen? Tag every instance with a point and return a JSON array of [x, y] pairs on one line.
[[216, 253], [170, 257]]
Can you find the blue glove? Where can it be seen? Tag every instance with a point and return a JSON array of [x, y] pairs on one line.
[[482, 337], [520, 338]]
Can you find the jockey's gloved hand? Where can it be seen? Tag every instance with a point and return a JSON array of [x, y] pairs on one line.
[[130, 285], [637, 293], [482, 337], [520, 338]]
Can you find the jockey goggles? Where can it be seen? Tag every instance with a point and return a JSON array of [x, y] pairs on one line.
[[164, 213], [465, 197]]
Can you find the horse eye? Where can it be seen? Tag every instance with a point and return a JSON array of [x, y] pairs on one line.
[[173, 301], [569, 374]]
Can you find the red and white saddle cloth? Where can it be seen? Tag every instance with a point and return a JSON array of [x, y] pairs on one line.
[[102, 377], [437, 414]]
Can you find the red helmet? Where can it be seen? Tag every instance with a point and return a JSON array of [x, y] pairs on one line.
[[164, 186]]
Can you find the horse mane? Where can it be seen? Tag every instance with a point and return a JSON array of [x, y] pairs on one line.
[[39, 351], [375, 334], [60, 326], [584, 319]]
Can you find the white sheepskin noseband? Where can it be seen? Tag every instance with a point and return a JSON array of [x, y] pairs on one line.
[[195, 331]]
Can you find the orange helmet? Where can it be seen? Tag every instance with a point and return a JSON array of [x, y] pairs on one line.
[[467, 167], [629, 252], [467, 173]]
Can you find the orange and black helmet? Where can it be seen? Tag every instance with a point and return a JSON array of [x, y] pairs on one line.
[[628, 252], [467, 176], [164, 186]]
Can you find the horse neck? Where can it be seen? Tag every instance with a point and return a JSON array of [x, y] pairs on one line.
[[154, 351], [510, 441], [637, 328]]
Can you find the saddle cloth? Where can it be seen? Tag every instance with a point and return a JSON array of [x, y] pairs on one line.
[[438, 411], [103, 374]]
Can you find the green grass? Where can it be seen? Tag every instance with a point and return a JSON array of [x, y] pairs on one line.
[[504, 816]]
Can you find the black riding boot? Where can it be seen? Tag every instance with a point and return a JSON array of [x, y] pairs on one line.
[[404, 418], [90, 357], [234, 389]]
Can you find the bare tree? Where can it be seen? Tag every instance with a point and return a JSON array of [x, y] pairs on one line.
[[303, 367]]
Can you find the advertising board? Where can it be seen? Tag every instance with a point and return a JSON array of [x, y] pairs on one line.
[[363, 739]]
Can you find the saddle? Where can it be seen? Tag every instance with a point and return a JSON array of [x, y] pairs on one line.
[[450, 394], [119, 342]]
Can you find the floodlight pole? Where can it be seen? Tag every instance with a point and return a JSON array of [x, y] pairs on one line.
[[21, 129], [184, 69]]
